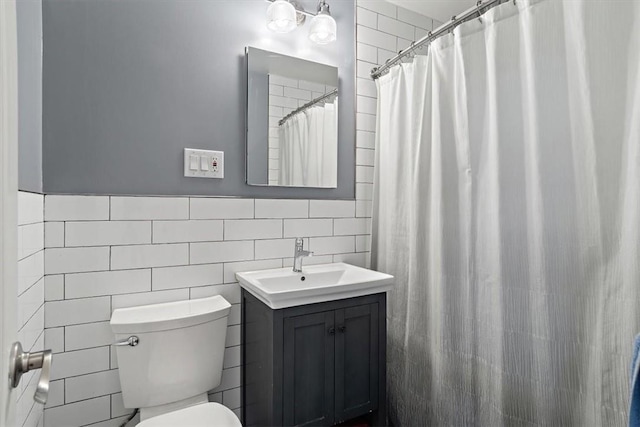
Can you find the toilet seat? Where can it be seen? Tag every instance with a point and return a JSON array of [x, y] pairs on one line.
[[203, 415]]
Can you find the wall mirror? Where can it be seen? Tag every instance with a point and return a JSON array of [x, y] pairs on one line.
[[292, 121]]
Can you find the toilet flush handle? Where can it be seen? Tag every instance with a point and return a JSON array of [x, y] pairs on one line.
[[131, 341]]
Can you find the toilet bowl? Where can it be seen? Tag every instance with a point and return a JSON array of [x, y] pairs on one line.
[[203, 415], [169, 356]]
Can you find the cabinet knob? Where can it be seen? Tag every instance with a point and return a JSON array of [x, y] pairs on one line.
[[342, 328], [332, 330]]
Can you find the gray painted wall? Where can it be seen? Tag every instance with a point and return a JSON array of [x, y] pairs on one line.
[[129, 84], [29, 19]]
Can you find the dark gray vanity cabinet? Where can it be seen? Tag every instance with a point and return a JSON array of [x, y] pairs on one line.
[[314, 365], [308, 380]]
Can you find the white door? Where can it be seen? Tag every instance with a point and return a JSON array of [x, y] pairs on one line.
[[8, 202]]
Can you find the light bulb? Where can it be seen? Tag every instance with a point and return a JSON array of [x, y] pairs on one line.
[[323, 27], [281, 17]]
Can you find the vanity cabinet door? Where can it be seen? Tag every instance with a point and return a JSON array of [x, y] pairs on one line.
[[308, 388], [357, 361]]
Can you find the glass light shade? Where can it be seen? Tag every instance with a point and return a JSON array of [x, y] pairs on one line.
[[281, 17], [323, 29]]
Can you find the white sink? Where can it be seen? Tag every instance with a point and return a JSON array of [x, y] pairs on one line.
[[281, 287]]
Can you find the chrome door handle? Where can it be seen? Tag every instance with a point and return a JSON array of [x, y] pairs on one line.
[[42, 390], [131, 341], [21, 362]]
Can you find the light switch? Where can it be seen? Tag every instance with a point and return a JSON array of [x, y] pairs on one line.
[[204, 163], [193, 162]]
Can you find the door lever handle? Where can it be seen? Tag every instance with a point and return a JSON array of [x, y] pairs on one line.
[[42, 389], [22, 362]]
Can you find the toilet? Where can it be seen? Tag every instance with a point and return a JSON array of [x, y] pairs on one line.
[[169, 356]]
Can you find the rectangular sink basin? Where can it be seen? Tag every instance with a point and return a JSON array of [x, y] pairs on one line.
[[281, 287]]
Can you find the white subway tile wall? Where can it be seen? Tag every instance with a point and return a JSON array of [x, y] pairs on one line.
[[107, 252], [31, 295], [104, 265], [382, 30]]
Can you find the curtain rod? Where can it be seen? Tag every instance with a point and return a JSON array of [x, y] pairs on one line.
[[472, 13], [307, 105]]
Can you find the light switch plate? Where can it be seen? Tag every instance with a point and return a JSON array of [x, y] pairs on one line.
[[211, 164]]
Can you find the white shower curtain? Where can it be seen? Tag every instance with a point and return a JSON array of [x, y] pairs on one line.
[[293, 139], [507, 205], [309, 148]]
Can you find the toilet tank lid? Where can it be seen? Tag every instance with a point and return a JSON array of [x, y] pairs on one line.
[[169, 315]]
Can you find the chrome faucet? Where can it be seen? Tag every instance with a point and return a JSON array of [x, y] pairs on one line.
[[299, 254]]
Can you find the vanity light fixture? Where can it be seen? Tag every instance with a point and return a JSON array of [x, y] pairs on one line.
[[283, 16], [323, 27]]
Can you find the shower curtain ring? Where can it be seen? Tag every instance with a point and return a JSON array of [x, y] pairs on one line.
[[478, 4]]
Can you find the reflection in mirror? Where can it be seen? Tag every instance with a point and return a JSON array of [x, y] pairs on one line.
[[303, 140], [292, 134]]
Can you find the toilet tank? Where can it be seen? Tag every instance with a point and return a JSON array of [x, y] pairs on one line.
[[179, 352]]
